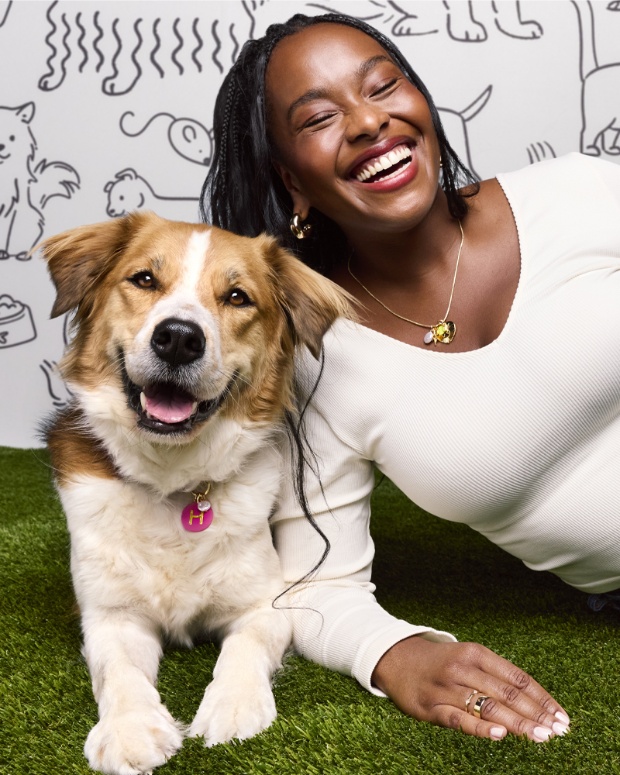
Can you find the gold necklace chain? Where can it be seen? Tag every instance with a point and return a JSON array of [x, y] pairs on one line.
[[445, 330]]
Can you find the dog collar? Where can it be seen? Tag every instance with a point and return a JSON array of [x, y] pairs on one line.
[[198, 515]]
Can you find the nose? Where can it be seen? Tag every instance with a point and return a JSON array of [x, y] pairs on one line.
[[366, 120], [178, 342]]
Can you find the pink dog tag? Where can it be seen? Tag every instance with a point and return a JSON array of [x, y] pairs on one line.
[[197, 517]]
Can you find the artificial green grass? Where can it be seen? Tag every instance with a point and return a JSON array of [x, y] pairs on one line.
[[426, 571]]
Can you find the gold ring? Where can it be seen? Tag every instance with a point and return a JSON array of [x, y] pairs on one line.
[[468, 700], [479, 704]]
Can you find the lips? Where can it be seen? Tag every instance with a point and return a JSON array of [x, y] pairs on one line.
[[383, 165]]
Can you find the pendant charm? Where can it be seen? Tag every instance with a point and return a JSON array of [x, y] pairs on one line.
[[197, 516], [443, 332]]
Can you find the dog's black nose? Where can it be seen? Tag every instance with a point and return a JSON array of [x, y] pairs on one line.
[[178, 341]]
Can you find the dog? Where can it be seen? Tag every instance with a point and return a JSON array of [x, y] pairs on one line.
[[168, 464]]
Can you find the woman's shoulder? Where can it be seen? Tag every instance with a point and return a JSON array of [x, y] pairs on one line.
[[572, 169], [350, 371]]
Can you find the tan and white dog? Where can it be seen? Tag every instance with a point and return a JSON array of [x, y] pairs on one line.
[[168, 466]]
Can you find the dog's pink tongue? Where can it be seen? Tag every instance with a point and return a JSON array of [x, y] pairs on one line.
[[169, 406]]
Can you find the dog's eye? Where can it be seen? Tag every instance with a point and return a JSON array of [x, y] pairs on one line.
[[238, 298], [144, 279]]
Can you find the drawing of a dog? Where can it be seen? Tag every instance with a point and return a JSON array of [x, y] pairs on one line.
[[24, 192], [167, 464]]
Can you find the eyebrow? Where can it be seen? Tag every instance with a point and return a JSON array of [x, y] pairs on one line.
[[317, 94]]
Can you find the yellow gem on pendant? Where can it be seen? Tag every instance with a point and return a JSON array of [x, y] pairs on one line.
[[443, 332]]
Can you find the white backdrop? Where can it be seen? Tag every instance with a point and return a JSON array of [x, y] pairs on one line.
[[106, 107]]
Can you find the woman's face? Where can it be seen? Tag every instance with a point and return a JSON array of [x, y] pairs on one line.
[[338, 109]]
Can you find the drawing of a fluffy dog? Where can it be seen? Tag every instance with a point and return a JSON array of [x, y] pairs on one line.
[[167, 467]]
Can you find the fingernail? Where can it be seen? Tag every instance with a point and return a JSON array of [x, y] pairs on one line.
[[542, 734], [562, 717], [560, 729], [498, 733]]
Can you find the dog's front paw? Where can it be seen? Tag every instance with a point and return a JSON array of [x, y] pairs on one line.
[[227, 712], [133, 743]]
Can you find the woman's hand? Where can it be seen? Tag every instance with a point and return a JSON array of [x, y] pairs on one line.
[[433, 682]]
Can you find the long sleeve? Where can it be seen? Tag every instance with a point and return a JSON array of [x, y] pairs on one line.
[[337, 621]]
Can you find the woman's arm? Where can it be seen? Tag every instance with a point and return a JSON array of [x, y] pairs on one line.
[[339, 624]]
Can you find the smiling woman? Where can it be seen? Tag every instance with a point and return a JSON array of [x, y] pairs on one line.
[[316, 135], [503, 417]]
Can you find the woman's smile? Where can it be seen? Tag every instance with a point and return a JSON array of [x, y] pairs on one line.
[[389, 163], [388, 168]]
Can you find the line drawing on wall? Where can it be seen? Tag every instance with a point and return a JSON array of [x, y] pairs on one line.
[[507, 18], [461, 23], [16, 322], [129, 191], [24, 190], [56, 386], [123, 47], [540, 151], [455, 125], [5, 7], [600, 130], [188, 137]]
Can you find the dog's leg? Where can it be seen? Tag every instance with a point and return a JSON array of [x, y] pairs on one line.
[[135, 731], [239, 701]]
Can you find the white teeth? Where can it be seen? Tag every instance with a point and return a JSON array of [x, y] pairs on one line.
[[384, 162], [143, 401], [194, 407]]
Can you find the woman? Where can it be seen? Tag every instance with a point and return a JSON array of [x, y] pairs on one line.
[[460, 383]]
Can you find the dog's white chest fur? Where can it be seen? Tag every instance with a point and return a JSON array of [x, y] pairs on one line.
[[129, 546]]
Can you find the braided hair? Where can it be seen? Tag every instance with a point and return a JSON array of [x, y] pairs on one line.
[[243, 191]]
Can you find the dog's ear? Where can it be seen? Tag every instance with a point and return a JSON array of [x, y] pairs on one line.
[[311, 302], [79, 258]]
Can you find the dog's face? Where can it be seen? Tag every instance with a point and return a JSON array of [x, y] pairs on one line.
[[185, 321]]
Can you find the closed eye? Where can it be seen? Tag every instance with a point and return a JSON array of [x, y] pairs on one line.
[[317, 120], [384, 87]]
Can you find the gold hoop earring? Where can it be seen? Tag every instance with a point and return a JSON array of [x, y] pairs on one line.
[[300, 230]]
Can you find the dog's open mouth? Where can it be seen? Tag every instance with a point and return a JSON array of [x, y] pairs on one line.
[[166, 408]]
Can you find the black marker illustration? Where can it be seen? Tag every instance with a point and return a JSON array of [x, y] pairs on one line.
[[539, 152], [189, 138], [16, 322], [600, 90], [507, 18], [56, 386], [403, 21], [461, 24], [128, 191], [121, 47], [25, 191], [455, 126], [5, 7]]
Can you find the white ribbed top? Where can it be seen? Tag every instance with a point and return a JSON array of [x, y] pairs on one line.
[[519, 439]]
